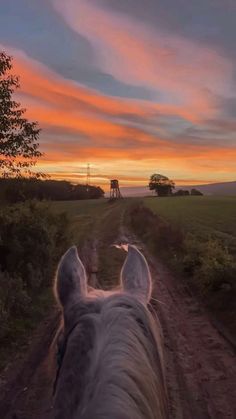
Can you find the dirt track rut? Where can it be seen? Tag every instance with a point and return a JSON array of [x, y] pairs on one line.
[[201, 365]]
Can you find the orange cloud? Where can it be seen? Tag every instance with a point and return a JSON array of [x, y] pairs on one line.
[[192, 157], [41, 83], [81, 125]]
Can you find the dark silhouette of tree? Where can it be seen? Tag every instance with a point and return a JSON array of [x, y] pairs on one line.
[[162, 185], [18, 137], [196, 192], [181, 192], [14, 190]]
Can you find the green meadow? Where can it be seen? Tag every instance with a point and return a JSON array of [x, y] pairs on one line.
[[83, 216], [204, 216], [82, 208]]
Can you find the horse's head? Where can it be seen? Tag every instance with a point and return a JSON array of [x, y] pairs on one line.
[[110, 359]]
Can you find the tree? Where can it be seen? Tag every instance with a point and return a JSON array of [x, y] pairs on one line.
[[19, 189], [18, 137], [162, 185], [196, 192], [181, 192]]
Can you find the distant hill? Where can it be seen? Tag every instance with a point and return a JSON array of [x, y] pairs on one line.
[[223, 188], [127, 191], [135, 191]]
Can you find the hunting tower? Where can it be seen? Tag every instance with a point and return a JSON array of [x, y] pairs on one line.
[[115, 189]]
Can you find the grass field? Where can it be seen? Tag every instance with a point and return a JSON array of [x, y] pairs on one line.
[[84, 216], [80, 208], [204, 216]]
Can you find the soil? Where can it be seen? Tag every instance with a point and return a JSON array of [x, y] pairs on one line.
[[200, 363], [26, 384]]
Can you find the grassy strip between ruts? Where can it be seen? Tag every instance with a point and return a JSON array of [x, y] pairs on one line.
[[98, 222], [204, 261]]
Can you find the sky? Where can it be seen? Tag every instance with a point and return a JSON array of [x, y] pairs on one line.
[[133, 87]]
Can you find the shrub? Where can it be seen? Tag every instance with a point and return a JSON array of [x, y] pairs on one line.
[[191, 256], [162, 235], [207, 264], [32, 238], [13, 296], [217, 269]]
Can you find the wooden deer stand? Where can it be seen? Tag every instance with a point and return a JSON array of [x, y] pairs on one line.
[[115, 190]]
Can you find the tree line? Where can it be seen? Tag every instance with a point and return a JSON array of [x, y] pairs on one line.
[[19, 151], [163, 186], [14, 190]]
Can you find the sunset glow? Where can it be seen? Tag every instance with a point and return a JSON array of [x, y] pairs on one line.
[[133, 87]]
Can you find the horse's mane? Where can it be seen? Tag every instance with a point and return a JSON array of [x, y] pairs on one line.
[[114, 360]]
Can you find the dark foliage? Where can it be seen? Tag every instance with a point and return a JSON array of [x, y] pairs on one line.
[[21, 189], [154, 229], [208, 265], [32, 239], [18, 137], [195, 192], [162, 185], [181, 192]]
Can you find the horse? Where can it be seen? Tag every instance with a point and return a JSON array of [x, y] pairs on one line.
[[109, 346]]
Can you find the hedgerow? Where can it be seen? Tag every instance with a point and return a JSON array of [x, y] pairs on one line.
[[32, 239]]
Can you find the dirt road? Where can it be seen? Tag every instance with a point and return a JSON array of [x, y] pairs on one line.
[[200, 363]]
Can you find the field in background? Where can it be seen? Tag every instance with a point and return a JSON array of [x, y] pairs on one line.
[[203, 216], [83, 216], [80, 208]]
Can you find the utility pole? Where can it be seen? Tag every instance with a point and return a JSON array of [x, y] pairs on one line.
[[88, 174]]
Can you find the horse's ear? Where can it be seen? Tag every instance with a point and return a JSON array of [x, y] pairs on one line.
[[71, 281], [135, 274]]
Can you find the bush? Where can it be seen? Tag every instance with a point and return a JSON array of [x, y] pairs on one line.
[[207, 267], [210, 264], [162, 235], [32, 238], [207, 264], [13, 296]]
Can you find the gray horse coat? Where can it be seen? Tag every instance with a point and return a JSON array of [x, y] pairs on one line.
[[111, 357]]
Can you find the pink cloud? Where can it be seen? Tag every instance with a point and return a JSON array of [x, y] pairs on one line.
[[184, 71], [117, 147]]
